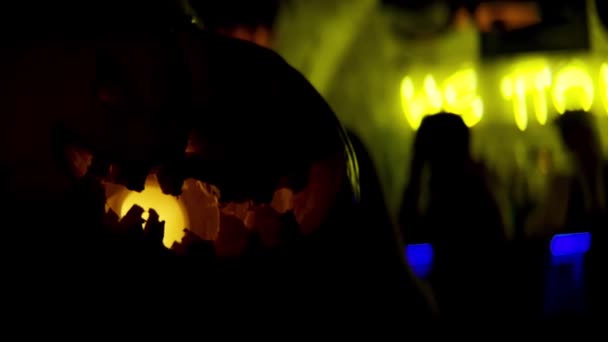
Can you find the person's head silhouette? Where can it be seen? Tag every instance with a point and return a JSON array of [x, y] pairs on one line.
[[580, 138], [443, 140]]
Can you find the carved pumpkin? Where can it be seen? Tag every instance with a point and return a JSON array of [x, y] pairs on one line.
[[93, 119], [182, 124]]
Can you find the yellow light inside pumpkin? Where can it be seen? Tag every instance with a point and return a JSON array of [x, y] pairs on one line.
[[169, 209]]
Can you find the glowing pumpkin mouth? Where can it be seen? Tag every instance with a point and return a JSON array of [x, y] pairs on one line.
[[197, 217], [169, 208], [196, 211]]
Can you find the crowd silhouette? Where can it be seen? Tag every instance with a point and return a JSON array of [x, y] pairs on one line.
[[449, 203]]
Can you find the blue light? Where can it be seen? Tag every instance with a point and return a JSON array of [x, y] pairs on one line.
[[420, 258], [564, 280], [570, 244]]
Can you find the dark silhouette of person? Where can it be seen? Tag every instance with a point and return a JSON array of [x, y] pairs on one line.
[[587, 203], [461, 217], [381, 233]]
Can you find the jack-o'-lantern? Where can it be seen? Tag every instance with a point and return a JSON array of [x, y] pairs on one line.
[[222, 148], [155, 141]]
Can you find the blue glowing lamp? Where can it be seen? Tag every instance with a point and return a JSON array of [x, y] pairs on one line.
[[420, 258], [565, 245]]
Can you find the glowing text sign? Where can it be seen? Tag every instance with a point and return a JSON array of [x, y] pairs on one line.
[[458, 95], [569, 87]]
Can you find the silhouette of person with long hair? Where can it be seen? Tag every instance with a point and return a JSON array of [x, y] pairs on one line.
[[448, 203], [587, 202], [575, 201]]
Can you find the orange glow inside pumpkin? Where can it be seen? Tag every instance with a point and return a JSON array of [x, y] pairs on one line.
[[169, 208]]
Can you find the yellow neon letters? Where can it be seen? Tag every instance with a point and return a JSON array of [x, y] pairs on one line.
[[459, 96], [532, 78], [526, 88], [570, 78]]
